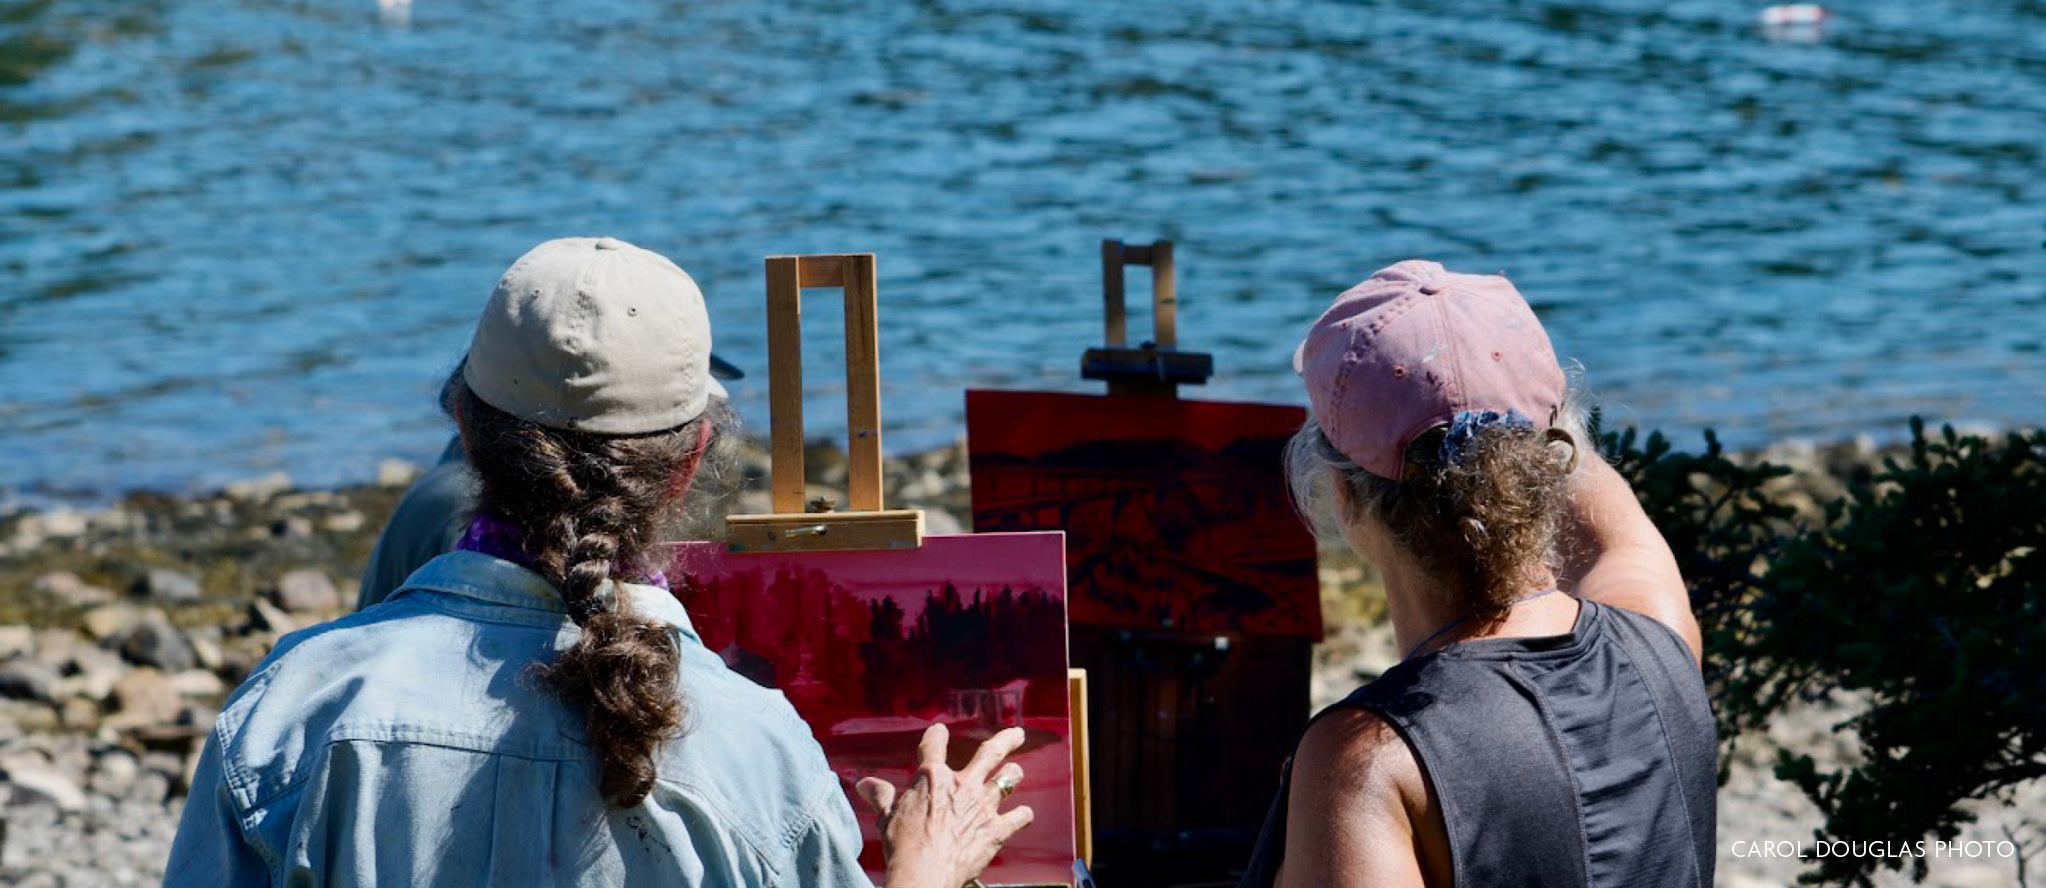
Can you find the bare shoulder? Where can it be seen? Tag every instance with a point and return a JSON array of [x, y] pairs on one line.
[[1355, 756], [1357, 792]]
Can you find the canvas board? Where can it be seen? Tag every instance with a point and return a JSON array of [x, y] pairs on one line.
[[871, 647], [1175, 511]]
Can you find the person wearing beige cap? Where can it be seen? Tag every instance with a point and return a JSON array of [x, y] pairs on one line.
[[1548, 725], [534, 708]]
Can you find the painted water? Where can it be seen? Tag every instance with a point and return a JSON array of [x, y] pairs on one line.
[[246, 235]]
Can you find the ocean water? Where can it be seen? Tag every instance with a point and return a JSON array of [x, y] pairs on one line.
[[238, 236]]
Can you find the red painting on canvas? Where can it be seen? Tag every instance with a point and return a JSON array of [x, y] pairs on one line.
[[871, 647], [1175, 512]]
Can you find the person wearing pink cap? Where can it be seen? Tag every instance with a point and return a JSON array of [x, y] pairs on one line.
[[1548, 725]]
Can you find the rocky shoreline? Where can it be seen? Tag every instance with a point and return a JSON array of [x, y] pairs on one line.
[[123, 627]]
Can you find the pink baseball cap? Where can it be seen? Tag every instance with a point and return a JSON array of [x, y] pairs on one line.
[[1414, 345]]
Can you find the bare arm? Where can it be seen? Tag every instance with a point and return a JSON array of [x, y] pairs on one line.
[[1348, 820], [1616, 556]]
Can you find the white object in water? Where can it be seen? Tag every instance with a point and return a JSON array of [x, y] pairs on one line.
[[1794, 15], [395, 13]]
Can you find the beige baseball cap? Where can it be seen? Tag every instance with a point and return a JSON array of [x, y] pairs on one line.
[[594, 335]]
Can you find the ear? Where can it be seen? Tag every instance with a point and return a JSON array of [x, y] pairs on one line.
[[1560, 438]]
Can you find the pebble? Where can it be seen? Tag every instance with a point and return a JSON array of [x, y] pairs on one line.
[[306, 591], [165, 584]]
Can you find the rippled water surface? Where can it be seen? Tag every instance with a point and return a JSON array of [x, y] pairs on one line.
[[239, 236]]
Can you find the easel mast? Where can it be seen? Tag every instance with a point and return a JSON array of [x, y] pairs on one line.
[[794, 526], [1156, 367]]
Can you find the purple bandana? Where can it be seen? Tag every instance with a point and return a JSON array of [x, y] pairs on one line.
[[506, 541]]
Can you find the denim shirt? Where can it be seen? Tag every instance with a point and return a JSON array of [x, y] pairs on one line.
[[409, 744]]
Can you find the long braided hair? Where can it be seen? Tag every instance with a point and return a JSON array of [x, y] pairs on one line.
[[591, 506]]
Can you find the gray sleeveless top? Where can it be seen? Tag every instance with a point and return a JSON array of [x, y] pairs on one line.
[[1586, 759]]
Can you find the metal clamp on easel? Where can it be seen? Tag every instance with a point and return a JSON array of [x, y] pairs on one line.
[[793, 526], [1157, 367]]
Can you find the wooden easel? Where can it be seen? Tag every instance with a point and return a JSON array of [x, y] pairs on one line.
[[1156, 367], [1190, 731], [795, 526]]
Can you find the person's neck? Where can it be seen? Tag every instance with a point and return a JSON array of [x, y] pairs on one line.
[[1421, 605]]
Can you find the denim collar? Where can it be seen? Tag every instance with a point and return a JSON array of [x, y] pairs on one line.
[[486, 578]]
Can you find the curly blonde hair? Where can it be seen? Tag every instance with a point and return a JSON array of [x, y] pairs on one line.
[[1486, 525]]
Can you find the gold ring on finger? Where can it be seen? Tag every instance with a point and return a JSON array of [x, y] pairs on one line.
[[1006, 783]]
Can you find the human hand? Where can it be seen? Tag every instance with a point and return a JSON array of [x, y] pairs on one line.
[[946, 827]]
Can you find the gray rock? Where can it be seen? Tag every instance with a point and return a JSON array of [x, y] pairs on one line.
[[198, 683], [306, 591], [267, 617], [30, 680], [17, 641], [259, 489], [145, 697], [109, 622], [92, 672], [65, 589], [79, 714], [153, 641], [939, 521], [164, 584], [55, 646], [396, 473], [33, 780], [206, 651], [348, 521], [114, 770]]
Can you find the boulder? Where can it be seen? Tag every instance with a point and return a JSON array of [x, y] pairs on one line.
[[165, 584], [306, 591]]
